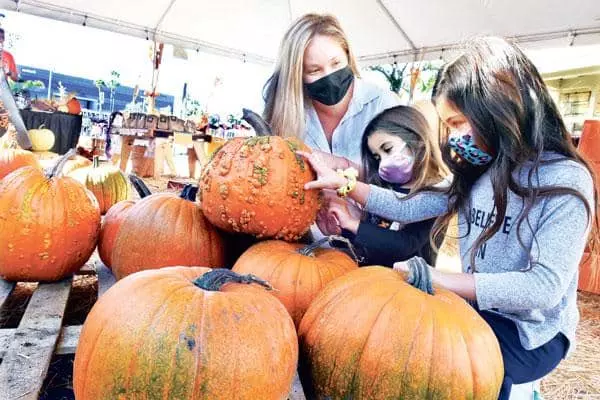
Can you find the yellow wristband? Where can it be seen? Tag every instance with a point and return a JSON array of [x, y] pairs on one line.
[[351, 174]]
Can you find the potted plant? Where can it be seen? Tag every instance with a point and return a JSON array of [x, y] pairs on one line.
[[21, 91]]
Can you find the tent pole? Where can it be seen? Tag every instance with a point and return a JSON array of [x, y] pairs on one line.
[[395, 21], [163, 16]]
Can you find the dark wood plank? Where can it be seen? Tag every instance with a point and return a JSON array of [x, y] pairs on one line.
[[297, 393], [26, 360], [6, 289], [105, 278]]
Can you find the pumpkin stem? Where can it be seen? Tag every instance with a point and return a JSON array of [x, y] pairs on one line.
[[260, 126], [57, 169], [189, 192], [216, 278], [139, 186], [419, 275], [309, 250], [96, 162]]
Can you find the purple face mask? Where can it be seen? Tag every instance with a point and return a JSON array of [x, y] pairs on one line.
[[397, 168]]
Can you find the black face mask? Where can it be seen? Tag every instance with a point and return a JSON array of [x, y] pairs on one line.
[[331, 88]]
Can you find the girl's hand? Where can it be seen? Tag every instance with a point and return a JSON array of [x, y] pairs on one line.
[[327, 223], [340, 210], [327, 178], [401, 266]]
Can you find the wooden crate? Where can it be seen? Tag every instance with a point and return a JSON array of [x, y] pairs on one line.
[[27, 350]]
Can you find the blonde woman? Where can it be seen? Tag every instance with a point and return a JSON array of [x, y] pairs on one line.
[[316, 94]]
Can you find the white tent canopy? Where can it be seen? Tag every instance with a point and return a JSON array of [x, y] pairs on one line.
[[379, 30]]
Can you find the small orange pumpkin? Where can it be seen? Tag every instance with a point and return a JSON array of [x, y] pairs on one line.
[[74, 106], [186, 333], [297, 272]]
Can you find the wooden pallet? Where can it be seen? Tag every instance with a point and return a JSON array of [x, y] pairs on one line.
[[26, 351]]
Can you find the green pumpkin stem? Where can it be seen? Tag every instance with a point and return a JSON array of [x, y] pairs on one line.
[[213, 280], [419, 275], [58, 167], [139, 186], [189, 192], [96, 162], [310, 249]]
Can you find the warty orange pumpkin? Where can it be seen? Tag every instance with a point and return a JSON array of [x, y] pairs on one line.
[[50, 224], [256, 186]]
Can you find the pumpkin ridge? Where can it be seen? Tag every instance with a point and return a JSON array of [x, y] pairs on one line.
[[156, 315], [353, 383], [471, 368], [94, 348], [200, 342], [326, 305], [90, 355], [171, 381], [433, 329], [123, 236], [27, 199], [103, 327], [299, 270]]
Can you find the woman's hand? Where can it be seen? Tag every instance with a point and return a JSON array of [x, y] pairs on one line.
[[332, 161], [327, 178]]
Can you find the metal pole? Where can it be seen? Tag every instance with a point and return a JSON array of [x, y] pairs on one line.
[[50, 85]]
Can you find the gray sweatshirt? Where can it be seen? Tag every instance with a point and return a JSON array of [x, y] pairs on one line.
[[539, 296]]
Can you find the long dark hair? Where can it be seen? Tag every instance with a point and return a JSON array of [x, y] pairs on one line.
[[503, 97], [412, 127]]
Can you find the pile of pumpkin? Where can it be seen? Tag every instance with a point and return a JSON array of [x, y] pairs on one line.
[[178, 325]]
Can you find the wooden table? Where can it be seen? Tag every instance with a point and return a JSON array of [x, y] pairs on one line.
[[163, 150]]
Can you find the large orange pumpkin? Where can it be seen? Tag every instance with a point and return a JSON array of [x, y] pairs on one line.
[[113, 219], [107, 182], [186, 333], [297, 272], [370, 335], [50, 224], [166, 229], [12, 159], [256, 186]]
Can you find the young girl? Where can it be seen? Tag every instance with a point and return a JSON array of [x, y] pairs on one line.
[[525, 200], [398, 152]]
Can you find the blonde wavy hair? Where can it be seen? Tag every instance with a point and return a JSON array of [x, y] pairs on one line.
[[285, 100]]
